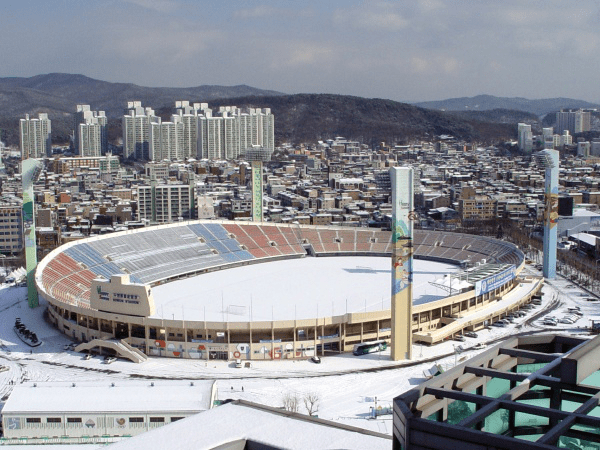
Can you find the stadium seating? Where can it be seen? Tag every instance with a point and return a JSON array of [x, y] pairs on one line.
[[158, 254]]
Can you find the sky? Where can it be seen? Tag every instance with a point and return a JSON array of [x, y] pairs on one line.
[[408, 50]]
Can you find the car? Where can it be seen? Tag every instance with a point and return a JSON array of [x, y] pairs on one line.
[[470, 334], [88, 356], [238, 363], [479, 346], [459, 338], [316, 359], [591, 299], [109, 359], [499, 324]]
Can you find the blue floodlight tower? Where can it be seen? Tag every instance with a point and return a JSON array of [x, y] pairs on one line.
[[548, 160]]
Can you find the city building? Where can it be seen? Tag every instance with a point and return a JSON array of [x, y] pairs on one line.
[[11, 228], [525, 138], [478, 207], [107, 163], [232, 130], [90, 132], [136, 131], [167, 139], [166, 203], [574, 121], [35, 136]]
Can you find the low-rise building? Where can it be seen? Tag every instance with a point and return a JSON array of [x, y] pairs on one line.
[[77, 409]]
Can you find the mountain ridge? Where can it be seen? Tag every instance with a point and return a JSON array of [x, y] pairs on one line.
[[485, 102]]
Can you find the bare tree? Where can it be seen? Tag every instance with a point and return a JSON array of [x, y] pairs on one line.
[[311, 402], [291, 402]]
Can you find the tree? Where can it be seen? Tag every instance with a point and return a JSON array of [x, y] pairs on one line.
[[291, 402], [311, 402]]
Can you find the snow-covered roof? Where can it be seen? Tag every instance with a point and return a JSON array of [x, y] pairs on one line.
[[124, 396], [244, 421], [581, 212], [589, 239]]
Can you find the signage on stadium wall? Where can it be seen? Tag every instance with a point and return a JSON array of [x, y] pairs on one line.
[[495, 281]]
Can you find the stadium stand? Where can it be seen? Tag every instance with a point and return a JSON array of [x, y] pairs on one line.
[[159, 254]]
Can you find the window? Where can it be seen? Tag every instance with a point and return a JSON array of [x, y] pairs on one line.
[[34, 420], [136, 420], [73, 419], [157, 419], [53, 420], [175, 419]]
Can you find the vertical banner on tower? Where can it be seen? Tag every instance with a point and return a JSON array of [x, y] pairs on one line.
[[550, 214], [402, 259], [257, 191], [30, 171]]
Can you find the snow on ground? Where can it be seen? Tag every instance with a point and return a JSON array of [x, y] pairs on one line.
[[293, 289], [347, 385]]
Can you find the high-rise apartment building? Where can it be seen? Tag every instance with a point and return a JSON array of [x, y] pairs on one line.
[[575, 121], [195, 132], [210, 137], [11, 226], [166, 139], [136, 131], [525, 138], [548, 137], [166, 203], [90, 132], [35, 136]]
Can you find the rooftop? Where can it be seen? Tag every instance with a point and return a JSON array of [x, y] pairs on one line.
[[119, 396]]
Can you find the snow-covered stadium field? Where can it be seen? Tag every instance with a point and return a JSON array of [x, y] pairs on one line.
[[293, 289]]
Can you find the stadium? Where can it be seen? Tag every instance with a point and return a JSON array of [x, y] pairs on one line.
[[101, 291]]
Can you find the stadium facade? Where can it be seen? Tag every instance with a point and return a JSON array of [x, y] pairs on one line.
[[116, 312]]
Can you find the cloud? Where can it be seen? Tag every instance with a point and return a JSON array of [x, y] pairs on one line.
[[163, 6], [374, 16], [266, 11], [303, 54]]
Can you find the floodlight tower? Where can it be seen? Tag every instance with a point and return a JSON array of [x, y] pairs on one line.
[[257, 155], [402, 181], [548, 160], [30, 171]]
